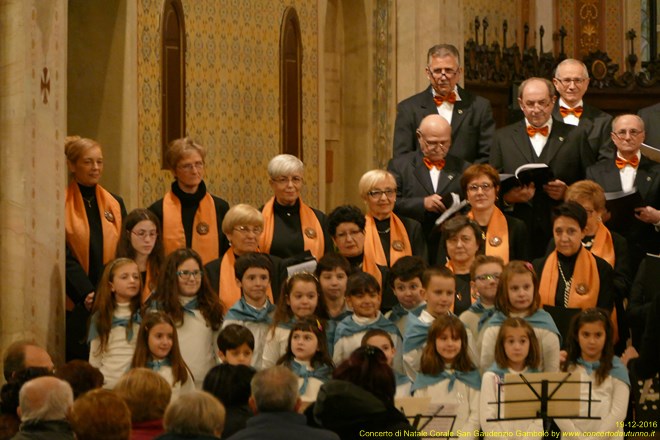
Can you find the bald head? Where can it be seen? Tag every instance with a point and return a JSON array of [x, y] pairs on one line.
[[44, 398], [24, 354], [434, 136]]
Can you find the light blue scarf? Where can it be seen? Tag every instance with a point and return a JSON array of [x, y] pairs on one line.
[[322, 373], [470, 378], [241, 311]]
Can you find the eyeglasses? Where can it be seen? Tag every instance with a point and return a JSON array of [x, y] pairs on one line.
[[437, 73], [621, 134], [567, 81], [431, 145], [347, 234], [257, 230], [143, 235], [488, 277], [190, 166], [187, 274], [485, 187], [378, 193], [283, 180]]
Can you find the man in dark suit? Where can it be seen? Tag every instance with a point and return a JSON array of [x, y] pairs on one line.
[[651, 117], [631, 170], [426, 178], [470, 116], [539, 139], [572, 80]]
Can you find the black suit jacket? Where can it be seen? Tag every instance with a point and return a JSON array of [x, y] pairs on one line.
[[642, 237], [651, 117], [597, 126], [414, 183], [566, 152], [472, 125]]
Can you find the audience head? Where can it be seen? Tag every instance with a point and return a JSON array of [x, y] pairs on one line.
[[44, 398], [146, 393], [195, 413], [286, 178], [81, 376], [24, 354], [274, 389], [100, 415], [627, 134], [571, 80], [230, 383], [346, 225], [536, 97], [236, 345], [443, 68], [367, 367], [84, 160], [379, 338], [434, 137]]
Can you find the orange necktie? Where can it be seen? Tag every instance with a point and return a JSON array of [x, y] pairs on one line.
[[439, 164], [565, 111], [451, 98], [531, 130], [621, 163]]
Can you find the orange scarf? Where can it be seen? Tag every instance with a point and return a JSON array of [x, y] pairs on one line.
[[584, 288], [497, 235], [205, 239], [311, 229], [77, 224], [228, 289], [603, 245], [147, 288], [473, 298]]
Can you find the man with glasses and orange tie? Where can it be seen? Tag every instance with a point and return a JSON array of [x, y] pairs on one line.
[[426, 178], [572, 80], [631, 171], [470, 116], [539, 138]]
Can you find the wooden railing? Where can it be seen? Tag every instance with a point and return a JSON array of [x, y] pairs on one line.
[[495, 71]]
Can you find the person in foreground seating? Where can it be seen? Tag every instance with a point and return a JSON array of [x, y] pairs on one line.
[[275, 402], [43, 406]]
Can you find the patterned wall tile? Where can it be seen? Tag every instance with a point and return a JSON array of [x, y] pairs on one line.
[[232, 94]]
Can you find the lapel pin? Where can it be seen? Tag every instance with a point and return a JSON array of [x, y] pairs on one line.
[[648, 178], [450, 176], [561, 138], [460, 111]]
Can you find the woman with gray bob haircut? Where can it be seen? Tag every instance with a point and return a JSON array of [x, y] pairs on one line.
[[194, 415], [291, 227]]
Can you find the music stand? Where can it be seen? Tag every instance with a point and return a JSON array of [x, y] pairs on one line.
[[544, 396], [424, 415]]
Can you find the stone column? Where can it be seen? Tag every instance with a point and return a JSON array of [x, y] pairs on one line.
[[32, 172]]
